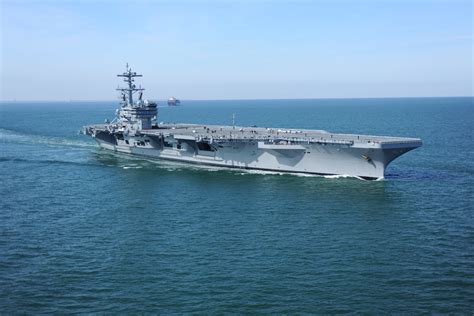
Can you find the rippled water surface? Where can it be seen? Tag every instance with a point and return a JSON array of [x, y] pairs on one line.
[[84, 230]]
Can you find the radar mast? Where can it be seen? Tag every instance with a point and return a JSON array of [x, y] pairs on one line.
[[128, 76]]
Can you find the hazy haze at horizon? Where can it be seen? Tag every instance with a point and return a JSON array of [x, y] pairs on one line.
[[53, 50]]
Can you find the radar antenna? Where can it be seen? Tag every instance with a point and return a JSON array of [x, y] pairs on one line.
[[128, 77]]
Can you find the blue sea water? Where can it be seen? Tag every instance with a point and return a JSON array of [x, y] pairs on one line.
[[87, 231]]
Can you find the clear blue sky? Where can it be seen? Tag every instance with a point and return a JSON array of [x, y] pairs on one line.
[[61, 50]]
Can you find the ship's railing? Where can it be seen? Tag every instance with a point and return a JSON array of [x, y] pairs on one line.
[[241, 134], [221, 137], [271, 139], [238, 135]]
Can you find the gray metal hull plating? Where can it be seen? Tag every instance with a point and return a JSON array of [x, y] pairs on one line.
[[134, 131], [367, 161]]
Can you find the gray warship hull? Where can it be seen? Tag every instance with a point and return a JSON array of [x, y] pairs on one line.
[[281, 150], [135, 131]]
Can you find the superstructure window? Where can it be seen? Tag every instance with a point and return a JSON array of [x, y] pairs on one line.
[[166, 144]]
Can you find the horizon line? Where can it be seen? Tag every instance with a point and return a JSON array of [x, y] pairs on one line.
[[247, 99]]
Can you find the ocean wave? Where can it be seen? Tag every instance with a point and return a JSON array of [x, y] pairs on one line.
[[344, 176], [11, 136], [132, 167], [294, 174], [48, 161]]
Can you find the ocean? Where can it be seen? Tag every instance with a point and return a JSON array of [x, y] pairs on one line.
[[83, 230]]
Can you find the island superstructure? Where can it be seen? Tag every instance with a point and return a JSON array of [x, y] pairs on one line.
[[135, 131]]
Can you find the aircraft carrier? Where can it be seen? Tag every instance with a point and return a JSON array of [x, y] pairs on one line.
[[135, 131]]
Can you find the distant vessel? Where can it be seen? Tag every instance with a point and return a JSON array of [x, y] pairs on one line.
[[173, 101], [135, 131]]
